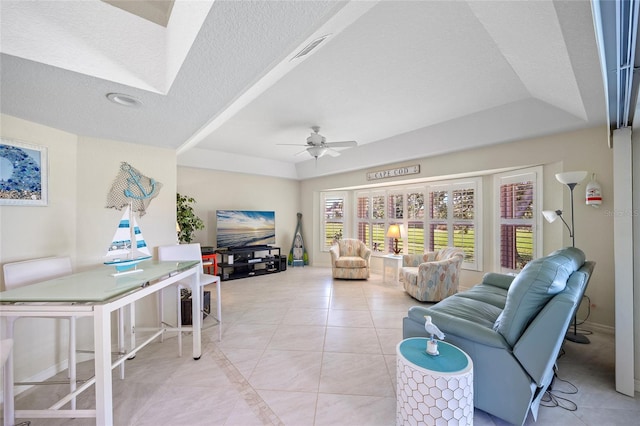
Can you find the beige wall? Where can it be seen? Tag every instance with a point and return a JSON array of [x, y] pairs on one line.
[[215, 190], [582, 150], [77, 224]]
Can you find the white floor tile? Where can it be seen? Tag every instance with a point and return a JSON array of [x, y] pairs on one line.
[[302, 349]]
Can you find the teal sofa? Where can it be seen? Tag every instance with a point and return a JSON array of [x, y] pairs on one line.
[[513, 328]]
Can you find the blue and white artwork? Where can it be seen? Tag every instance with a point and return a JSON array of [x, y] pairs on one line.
[[23, 173]]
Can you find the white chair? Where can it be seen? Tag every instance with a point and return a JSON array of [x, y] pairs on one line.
[[18, 274], [182, 252]]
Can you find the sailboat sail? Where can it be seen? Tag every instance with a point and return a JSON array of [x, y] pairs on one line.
[[121, 243], [125, 256]]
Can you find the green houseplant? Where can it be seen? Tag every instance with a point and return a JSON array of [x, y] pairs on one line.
[[187, 220]]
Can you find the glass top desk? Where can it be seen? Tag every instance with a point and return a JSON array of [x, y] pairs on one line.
[[95, 293]]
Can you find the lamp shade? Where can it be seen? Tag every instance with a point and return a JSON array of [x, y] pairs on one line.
[[550, 215], [393, 231], [571, 177]]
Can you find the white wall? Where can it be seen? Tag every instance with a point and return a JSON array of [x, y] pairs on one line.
[[214, 190], [30, 232], [76, 223]]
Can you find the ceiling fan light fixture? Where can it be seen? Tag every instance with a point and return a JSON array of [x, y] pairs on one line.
[[317, 151], [125, 100]]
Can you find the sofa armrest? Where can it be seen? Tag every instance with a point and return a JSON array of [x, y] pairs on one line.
[[498, 280], [428, 267], [335, 253], [366, 253], [416, 259], [545, 334], [460, 327], [412, 260], [539, 345]]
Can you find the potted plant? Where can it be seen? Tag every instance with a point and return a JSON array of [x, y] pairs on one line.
[[187, 220]]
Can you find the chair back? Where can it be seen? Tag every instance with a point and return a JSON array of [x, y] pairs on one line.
[[351, 247], [180, 252], [18, 274], [449, 252]]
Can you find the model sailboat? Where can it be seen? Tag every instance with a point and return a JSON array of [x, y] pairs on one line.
[[132, 191], [124, 254]]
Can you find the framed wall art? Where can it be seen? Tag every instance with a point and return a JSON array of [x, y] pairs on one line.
[[23, 174]]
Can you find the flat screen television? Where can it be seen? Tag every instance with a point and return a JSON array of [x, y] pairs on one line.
[[242, 228]]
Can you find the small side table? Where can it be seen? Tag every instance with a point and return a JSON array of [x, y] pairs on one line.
[[391, 268], [433, 390]]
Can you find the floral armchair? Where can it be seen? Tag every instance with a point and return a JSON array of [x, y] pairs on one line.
[[350, 259], [432, 276]]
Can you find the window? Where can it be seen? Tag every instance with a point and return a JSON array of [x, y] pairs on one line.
[[430, 217], [415, 221], [333, 218], [518, 204], [363, 216], [453, 219], [378, 228]]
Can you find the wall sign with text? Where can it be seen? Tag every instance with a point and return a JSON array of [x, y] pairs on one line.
[[389, 173]]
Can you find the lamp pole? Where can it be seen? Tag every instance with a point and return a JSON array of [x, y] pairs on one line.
[[573, 225], [575, 336]]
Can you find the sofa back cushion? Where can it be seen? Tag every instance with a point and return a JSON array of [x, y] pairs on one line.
[[532, 288]]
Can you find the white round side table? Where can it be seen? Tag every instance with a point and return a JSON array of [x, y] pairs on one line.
[[433, 390]]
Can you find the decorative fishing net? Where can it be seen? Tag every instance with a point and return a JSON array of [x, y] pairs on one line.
[[132, 187]]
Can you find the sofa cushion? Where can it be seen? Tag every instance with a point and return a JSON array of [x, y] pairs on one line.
[[472, 310], [492, 295], [532, 288], [351, 262]]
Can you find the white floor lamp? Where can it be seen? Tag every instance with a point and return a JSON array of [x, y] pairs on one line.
[[571, 179]]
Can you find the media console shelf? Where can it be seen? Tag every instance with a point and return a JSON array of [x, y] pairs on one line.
[[248, 261]]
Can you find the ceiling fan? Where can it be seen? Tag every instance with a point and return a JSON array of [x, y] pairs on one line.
[[317, 145]]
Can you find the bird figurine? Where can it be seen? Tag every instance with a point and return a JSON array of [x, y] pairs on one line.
[[433, 330]]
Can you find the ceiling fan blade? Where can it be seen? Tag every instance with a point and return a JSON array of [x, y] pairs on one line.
[[291, 144], [332, 152], [342, 144]]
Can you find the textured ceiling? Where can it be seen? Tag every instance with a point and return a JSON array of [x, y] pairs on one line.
[[405, 79]]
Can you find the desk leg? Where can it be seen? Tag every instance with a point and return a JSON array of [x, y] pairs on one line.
[[102, 341], [196, 315], [131, 329], [7, 379]]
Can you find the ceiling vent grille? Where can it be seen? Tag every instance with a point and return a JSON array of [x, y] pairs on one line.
[[309, 47]]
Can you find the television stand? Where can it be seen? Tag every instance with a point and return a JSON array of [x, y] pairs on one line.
[[250, 261]]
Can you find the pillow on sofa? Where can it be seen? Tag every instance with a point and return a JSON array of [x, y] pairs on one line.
[[532, 288]]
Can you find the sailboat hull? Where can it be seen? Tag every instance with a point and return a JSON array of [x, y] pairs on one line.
[[126, 264]]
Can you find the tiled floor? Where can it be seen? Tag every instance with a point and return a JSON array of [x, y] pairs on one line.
[[301, 349]]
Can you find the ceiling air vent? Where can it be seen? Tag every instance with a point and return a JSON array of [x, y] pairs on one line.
[[309, 47]]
